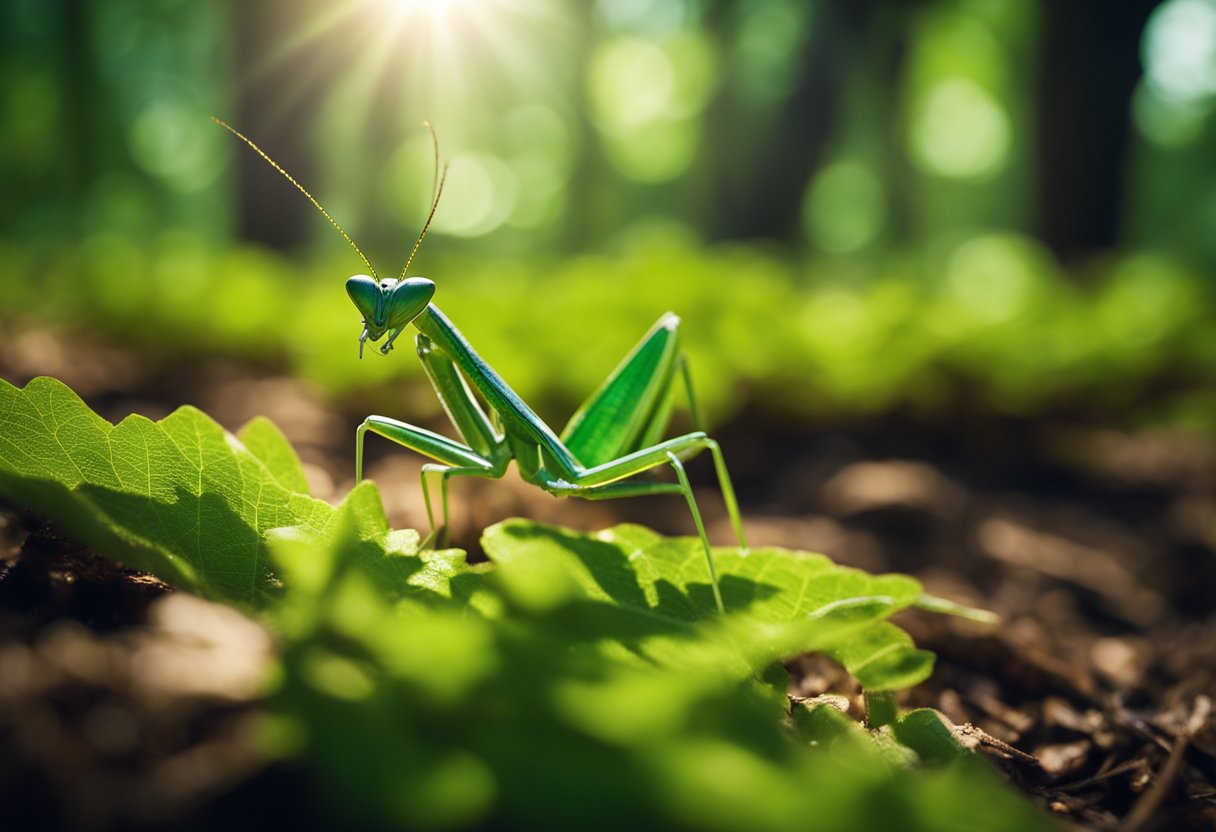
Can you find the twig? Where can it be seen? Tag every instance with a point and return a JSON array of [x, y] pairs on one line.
[[1147, 805]]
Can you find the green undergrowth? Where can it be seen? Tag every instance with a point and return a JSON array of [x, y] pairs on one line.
[[992, 320], [578, 680]]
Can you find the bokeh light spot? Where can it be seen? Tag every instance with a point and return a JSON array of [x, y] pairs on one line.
[[766, 47], [844, 207], [481, 191], [168, 140], [960, 131], [540, 191], [631, 81], [537, 129], [694, 60], [657, 152], [992, 277], [645, 100], [1179, 49], [1144, 297], [1167, 122], [652, 16]]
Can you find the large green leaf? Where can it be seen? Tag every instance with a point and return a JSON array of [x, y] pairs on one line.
[[779, 602], [180, 497]]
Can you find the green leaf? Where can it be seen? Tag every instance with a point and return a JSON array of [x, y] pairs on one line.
[[820, 722], [779, 602], [265, 441], [881, 709], [926, 732], [186, 500], [180, 497]]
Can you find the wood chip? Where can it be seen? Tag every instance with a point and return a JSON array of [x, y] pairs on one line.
[[1064, 759]]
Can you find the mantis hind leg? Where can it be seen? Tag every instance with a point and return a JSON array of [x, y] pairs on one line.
[[604, 482], [618, 490], [728, 494], [696, 518], [654, 432]]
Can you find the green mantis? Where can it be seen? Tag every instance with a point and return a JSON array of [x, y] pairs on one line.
[[616, 435]]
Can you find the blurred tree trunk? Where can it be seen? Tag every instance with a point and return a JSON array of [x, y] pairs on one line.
[[761, 170], [1090, 66], [270, 210], [82, 97]]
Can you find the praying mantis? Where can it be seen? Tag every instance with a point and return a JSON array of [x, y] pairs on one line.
[[614, 436]]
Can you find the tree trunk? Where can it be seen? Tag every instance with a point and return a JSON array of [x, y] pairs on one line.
[[1090, 66]]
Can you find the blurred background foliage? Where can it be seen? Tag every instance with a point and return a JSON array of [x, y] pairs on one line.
[[857, 205]]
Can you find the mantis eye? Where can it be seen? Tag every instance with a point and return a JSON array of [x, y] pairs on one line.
[[405, 300], [367, 296]]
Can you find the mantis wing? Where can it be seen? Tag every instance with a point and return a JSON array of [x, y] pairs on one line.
[[612, 421]]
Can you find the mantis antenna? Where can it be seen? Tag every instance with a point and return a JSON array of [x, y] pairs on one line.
[[311, 199], [436, 192]]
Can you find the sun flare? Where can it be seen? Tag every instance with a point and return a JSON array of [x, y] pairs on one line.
[[370, 69]]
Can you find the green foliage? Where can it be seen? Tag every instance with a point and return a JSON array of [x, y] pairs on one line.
[[993, 322], [560, 706], [577, 679], [793, 601], [582, 694], [180, 497]]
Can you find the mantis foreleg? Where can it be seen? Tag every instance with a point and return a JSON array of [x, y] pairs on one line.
[[456, 459], [485, 455], [444, 473], [457, 399]]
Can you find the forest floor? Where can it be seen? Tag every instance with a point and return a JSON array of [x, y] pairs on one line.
[[125, 705]]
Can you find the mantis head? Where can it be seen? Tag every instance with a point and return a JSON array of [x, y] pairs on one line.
[[388, 306]]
